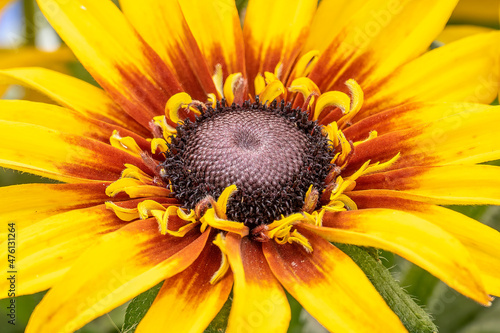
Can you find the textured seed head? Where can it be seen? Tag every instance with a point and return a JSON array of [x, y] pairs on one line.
[[271, 153]]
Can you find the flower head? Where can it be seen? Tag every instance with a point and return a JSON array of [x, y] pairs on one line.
[[221, 159]]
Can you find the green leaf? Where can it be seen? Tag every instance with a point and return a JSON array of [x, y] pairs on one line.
[[413, 317], [240, 4], [219, 323], [296, 324], [138, 307]]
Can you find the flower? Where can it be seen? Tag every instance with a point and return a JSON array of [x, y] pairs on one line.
[[383, 131]]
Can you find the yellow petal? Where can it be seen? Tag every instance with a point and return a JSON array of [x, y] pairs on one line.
[[216, 27], [111, 50], [259, 302], [72, 93], [446, 185], [331, 287], [31, 56], [136, 258], [482, 242], [485, 12], [322, 31], [60, 156], [163, 26], [464, 138], [411, 237], [187, 302], [455, 32], [4, 3], [49, 247], [466, 70], [381, 36], [273, 31], [410, 115], [29, 203], [63, 120]]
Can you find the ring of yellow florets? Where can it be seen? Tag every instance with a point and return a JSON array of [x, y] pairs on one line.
[[272, 153], [210, 212]]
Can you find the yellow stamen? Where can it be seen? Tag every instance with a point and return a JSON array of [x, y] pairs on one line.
[[216, 216], [337, 137], [339, 201], [297, 237], [210, 218], [372, 135], [260, 84], [158, 143], [220, 241], [212, 99], [126, 144], [332, 98], [135, 189], [232, 82], [331, 131], [306, 64], [280, 228], [306, 87], [149, 208], [315, 218], [131, 171], [357, 98], [218, 80], [381, 166], [278, 70], [167, 130], [272, 91], [175, 103], [220, 206], [270, 77], [282, 233], [124, 214]]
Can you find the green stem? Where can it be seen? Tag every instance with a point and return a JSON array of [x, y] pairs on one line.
[[30, 28], [413, 317]]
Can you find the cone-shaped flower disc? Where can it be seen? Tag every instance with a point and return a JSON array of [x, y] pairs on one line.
[[221, 158]]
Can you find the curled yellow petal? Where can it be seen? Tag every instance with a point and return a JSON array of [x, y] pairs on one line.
[[126, 144], [332, 98], [271, 92], [230, 85], [175, 103], [124, 214]]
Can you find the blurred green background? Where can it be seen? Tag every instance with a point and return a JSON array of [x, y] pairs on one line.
[[22, 25]]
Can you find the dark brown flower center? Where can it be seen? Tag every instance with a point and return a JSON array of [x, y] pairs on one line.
[[271, 153]]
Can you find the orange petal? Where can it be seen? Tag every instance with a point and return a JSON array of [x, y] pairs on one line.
[[49, 247], [463, 138], [111, 50], [72, 93], [410, 115], [273, 32], [331, 287], [29, 203], [466, 70], [187, 302], [60, 156], [446, 185], [259, 303], [322, 31], [411, 237], [163, 26], [216, 27], [64, 120], [136, 258], [381, 36], [482, 242]]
